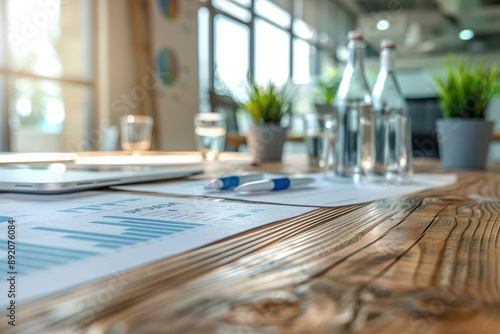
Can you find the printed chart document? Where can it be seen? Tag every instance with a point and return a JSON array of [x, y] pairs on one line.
[[324, 192], [57, 242]]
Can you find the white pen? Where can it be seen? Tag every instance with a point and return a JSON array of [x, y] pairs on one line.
[[232, 181], [280, 183]]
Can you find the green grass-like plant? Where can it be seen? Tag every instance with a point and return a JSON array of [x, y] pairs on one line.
[[466, 89], [267, 104], [327, 86]]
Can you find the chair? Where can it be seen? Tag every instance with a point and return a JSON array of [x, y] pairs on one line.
[[423, 114], [226, 105]]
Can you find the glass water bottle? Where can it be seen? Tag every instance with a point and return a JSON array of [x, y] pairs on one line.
[[354, 144], [393, 152]]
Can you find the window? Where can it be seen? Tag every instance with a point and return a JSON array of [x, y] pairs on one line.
[[236, 11], [267, 39], [204, 57], [269, 10], [272, 53], [46, 75], [231, 54], [304, 62], [245, 3]]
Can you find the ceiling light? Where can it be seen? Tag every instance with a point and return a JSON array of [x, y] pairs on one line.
[[383, 25], [466, 34]]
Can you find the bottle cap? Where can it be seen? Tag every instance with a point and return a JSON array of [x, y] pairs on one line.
[[355, 36], [387, 44]]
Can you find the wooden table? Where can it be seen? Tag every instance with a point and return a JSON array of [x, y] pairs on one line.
[[424, 263]]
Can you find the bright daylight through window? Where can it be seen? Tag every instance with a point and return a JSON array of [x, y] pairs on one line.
[[46, 74], [270, 40]]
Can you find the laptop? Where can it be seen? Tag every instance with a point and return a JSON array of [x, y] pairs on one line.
[[61, 178]]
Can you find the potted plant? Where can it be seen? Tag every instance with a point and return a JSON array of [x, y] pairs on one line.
[[464, 94], [326, 90], [267, 104]]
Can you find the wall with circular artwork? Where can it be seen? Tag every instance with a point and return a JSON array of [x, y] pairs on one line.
[[174, 40]]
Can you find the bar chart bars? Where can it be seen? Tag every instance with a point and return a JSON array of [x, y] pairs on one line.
[[37, 257], [32, 257], [135, 230]]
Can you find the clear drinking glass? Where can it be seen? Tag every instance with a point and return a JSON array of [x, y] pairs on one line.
[[210, 133], [135, 132], [319, 137]]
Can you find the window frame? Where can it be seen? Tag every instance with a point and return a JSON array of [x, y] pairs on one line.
[[213, 11]]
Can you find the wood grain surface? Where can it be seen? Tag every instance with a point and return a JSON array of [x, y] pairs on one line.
[[424, 263]]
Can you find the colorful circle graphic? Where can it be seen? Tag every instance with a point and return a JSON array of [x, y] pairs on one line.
[[166, 67], [169, 8]]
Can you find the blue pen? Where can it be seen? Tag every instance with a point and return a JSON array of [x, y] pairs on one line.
[[280, 183], [232, 181]]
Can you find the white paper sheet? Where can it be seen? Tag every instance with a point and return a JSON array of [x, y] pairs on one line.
[[325, 192], [64, 241]]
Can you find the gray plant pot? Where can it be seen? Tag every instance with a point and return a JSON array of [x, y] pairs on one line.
[[266, 141], [464, 142]]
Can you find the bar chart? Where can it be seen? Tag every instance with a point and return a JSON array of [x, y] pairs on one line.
[[135, 230], [34, 257]]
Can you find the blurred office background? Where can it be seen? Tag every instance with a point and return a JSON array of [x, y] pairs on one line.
[[69, 69]]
